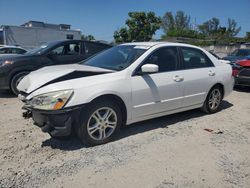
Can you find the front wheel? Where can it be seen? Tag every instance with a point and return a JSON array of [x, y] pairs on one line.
[[101, 121], [15, 81], [213, 100]]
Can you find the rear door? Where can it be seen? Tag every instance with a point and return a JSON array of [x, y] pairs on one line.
[[161, 91], [199, 75]]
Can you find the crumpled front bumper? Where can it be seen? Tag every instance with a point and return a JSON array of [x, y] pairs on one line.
[[57, 123]]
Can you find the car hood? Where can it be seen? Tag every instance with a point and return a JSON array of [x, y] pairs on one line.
[[53, 74]]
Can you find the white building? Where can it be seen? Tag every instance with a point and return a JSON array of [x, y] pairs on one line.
[[34, 33]]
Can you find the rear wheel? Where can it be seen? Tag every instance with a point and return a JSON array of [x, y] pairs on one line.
[[15, 81], [101, 121], [213, 100]]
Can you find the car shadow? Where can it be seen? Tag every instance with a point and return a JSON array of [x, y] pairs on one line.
[[6, 94], [133, 129], [242, 89]]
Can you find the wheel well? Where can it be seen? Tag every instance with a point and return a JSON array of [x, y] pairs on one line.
[[17, 72], [221, 86], [118, 101]]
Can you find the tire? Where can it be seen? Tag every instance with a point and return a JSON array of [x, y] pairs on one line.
[[213, 100], [15, 81], [94, 129]]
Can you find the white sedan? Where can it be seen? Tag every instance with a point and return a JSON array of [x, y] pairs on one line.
[[122, 85]]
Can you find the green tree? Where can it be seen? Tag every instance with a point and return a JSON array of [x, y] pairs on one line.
[[168, 22], [140, 26], [212, 29], [178, 25], [122, 35], [232, 29], [247, 35], [182, 21]]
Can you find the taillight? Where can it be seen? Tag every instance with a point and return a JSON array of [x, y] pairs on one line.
[[236, 68], [235, 72]]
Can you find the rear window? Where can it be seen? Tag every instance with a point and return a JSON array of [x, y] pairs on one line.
[[18, 51], [93, 48], [3, 50]]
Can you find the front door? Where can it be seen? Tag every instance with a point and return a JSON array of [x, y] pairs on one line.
[[158, 92]]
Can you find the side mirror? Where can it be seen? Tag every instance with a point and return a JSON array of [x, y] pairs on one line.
[[149, 68]]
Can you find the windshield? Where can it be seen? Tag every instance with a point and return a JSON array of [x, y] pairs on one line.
[[38, 50], [116, 58], [41, 49]]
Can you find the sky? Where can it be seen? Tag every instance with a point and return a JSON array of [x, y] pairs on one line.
[[101, 18]]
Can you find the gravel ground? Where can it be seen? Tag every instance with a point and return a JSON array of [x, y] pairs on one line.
[[172, 151]]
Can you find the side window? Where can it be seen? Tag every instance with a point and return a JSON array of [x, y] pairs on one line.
[[6, 51], [17, 51], [2, 51], [67, 49], [74, 49], [93, 48], [57, 51], [21, 51], [166, 58], [194, 58]]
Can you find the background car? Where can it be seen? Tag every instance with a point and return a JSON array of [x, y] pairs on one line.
[[14, 68], [241, 72], [5, 50], [123, 85], [237, 55]]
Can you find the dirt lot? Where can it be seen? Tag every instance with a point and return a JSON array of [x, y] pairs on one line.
[[172, 151]]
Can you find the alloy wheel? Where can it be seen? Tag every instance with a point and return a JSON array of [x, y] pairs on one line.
[[214, 99], [102, 123]]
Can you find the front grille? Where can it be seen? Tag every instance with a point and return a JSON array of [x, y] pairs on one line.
[[244, 72]]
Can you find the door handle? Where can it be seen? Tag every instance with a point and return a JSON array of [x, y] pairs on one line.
[[211, 73], [178, 78]]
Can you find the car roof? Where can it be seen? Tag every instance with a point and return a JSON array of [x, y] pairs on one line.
[[68, 41], [144, 43], [15, 47], [244, 49], [151, 44]]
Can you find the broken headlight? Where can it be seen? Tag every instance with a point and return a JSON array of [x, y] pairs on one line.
[[51, 101]]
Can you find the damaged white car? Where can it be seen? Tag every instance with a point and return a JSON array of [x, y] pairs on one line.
[[122, 85]]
